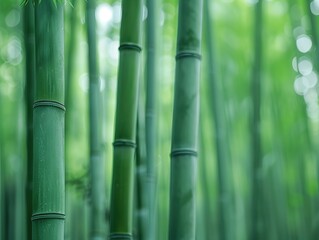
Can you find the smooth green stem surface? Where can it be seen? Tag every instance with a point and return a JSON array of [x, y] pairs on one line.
[[98, 224], [48, 143], [125, 121], [225, 213], [29, 96], [185, 122], [141, 180], [257, 228], [152, 27]]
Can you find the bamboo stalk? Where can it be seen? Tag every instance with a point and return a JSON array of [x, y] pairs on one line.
[[141, 181], [185, 121], [70, 57], [310, 218], [98, 225], [204, 180], [125, 121], [48, 144], [18, 212], [70, 68], [151, 113], [29, 95], [225, 226], [256, 231]]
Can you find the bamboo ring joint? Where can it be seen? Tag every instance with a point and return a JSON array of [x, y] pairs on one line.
[[183, 152], [49, 103], [188, 54], [121, 236], [130, 46], [124, 143], [52, 215]]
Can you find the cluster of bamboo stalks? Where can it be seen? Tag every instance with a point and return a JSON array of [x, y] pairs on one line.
[[48, 119], [258, 159]]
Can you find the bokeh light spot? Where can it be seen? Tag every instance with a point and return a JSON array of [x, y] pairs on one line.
[[305, 66], [304, 43]]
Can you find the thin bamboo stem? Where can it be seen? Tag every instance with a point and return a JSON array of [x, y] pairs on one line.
[[125, 121], [225, 226], [97, 175], [151, 112], [29, 95], [256, 151]]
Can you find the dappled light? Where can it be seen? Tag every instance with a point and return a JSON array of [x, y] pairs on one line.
[[305, 66], [314, 5], [116, 9], [13, 18], [300, 86], [112, 50], [14, 51], [84, 82], [104, 16], [311, 80], [294, 64], [313, 111], [311, 96], [304, 43]]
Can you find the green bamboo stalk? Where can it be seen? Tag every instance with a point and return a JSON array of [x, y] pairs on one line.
[[185, 121], [19, 216], [315, 38], [125, 121], [256, 151], [141, 183], [71, 46], [3, 200], [151, 113], [204, 180], [222, 152], [29, 93], [48, 144], [306, 217], [4, 226], [98, 225], [69, 71]]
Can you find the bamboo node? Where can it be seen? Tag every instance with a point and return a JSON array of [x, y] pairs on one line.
[[48, 215], [124, 143], [183, 152], [130, 46], [120, 236], [188, 54], [48, 103]]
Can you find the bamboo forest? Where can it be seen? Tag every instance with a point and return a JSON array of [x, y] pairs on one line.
[[159, 119]]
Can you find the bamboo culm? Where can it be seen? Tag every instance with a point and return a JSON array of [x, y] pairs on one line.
[[48, 126], [221, 139], [256, 220], [152, 27], [98, 225], [185, 122], [125, 121], [29, 96]]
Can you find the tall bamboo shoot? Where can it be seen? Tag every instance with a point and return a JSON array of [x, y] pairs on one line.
[[185, 121]]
